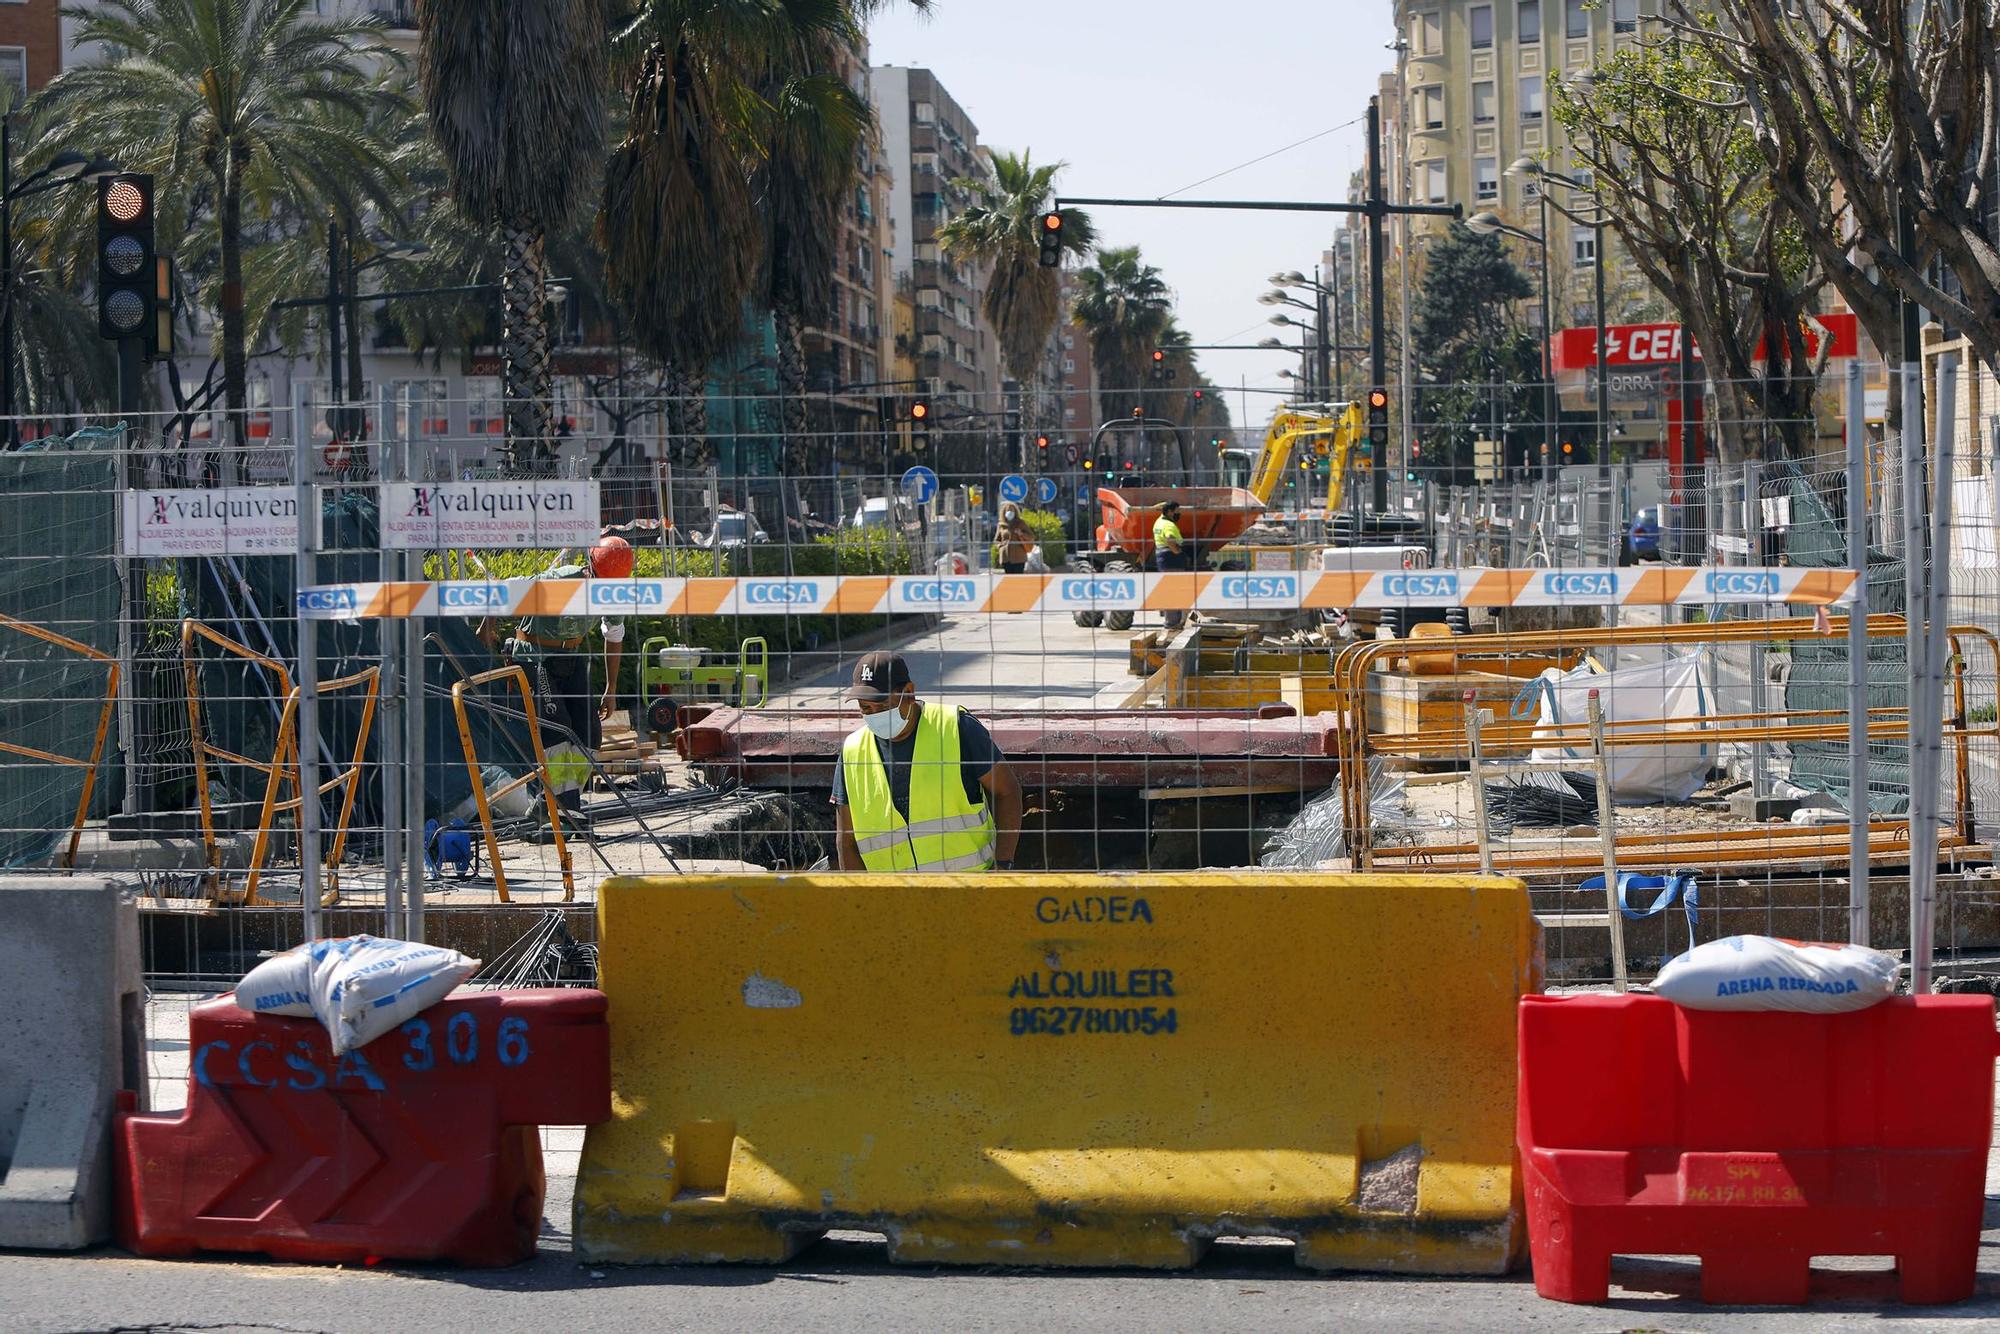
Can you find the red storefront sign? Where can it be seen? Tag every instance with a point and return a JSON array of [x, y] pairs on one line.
[[1656, 344]]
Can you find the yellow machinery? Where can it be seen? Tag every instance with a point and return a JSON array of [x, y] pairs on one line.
[[1331, 437]]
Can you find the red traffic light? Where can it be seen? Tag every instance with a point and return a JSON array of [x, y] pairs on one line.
[[1041, 442], [920, 411], [1128, 465], [1197, 395], [1378, 400], [1052, 222], [1158, 356], [1568, 448]]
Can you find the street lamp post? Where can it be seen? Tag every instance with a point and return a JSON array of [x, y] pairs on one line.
[[1487, 224], [65, 168], [1525, 166]]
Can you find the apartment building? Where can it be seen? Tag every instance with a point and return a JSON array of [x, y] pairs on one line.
[[930, 143], [31, 44]]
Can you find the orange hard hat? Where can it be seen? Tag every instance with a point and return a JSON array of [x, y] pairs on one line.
[[611, 558]]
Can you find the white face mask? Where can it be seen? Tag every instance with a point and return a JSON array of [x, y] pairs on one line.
[[887, 723]]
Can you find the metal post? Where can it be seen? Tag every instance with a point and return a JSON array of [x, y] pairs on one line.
[[1548, 331], [1378, 338], [411, 632], [1857, 661], [1927, 703], [1607, 838], [1327, 338], [306, 721], [395, 693], [1603, 371], [1914, 562], [13, 429]]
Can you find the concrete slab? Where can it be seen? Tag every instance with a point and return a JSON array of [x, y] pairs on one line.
[[70, 1038]]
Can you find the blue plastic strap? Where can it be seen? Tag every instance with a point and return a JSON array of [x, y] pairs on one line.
[[1681, 885]]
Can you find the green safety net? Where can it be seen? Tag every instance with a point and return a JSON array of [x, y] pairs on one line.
[[58, 571]]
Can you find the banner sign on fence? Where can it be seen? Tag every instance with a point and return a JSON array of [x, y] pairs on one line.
[[491, 514], [1073, 591], [226, 521]]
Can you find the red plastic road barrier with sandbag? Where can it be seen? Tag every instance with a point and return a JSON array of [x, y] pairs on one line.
[[422, 1145], [1755, 1141]]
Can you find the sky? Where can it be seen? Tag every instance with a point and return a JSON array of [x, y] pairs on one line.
[[1144, 97]]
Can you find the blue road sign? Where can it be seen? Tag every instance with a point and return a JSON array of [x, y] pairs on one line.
[[1014, 488], [1045, 491], [1083, 497], [921, 484]]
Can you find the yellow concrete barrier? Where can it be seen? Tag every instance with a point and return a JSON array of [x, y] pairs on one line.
[[1061, 1069]]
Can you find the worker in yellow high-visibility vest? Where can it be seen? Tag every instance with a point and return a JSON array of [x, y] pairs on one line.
[[1169, 549], [920, 787]]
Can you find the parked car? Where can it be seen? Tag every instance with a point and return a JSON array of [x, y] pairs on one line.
[[1643, 539], [875, 512], [733, 528]]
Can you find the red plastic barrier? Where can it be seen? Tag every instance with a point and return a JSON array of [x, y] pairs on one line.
[[1755, 1141], [420, 1146]]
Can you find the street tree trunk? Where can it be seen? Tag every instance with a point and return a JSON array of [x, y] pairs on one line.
[[235, 353], [796, 429], [527, 385]]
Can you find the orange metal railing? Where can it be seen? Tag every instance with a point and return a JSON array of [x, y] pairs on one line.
[[88, 763], [1359, 744], [484, 800], [280, 769]]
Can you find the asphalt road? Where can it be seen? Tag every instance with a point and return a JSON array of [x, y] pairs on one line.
[[1027, 661], [847, 1284]]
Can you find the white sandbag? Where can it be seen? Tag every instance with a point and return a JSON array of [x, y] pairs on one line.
[[359, 987], [1640, 775], [1036, 563], [282, 984], [1765, 973]]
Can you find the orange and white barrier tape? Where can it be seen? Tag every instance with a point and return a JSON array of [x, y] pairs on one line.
[[1071, 591]]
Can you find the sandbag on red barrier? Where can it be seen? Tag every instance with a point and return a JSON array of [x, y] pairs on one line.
[[1755, 1141], [422, 1145]]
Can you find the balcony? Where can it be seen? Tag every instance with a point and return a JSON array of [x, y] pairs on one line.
[[395, 13]]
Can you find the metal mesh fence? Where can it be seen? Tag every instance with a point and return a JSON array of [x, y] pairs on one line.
[[1303, 687]]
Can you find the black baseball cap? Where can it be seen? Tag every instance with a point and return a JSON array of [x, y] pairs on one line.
[[878, 676]]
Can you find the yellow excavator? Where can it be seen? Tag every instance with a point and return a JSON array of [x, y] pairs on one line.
[[1287, 434]]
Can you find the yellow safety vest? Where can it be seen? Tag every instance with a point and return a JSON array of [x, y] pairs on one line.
[[945, 832], [1166, 534]]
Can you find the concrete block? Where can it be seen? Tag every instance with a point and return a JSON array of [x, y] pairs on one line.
[[1744, 806], [72, 1035]]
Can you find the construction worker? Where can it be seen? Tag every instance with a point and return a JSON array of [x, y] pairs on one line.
[[555, 652], [920, 787], [1169, 549]]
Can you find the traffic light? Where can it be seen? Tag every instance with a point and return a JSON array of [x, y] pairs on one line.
[[920, 411], [1159, 366], [127, 278], [1088, 463], [1410, 474], [1568, 449], [1378, 418], [163, 306], [1042, 451], [1138, 413], [1197, 395], [1051, 239]]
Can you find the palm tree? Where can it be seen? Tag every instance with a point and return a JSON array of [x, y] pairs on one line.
[[265, 97], [515, 92], [1125, 307], [1003, 230]]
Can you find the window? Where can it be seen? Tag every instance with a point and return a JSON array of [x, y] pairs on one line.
[[482, 406], [1426, 34], [1481, 17], [1486, 178], [926, 114], [924, 160], [1624, 15], [1531, 97], [929, 298], [575, 410], [420, 406], [1069, 365], [1069, 414], [1434, 182], [1576, 19], [1482, 103], [1429, 108], [14, 69], [1583, 245], [1528, 23], [926, 252]]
